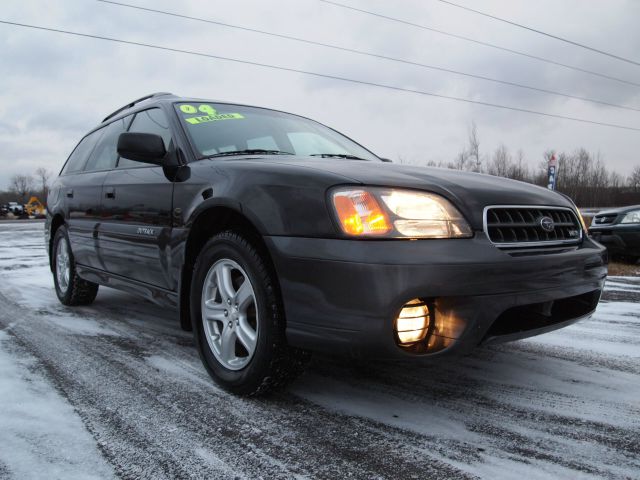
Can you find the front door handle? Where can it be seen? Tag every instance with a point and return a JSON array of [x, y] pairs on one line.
[[70, 193], [110, 192]]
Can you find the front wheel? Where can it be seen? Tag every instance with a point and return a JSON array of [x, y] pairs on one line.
[[70, 288], [238, 318]]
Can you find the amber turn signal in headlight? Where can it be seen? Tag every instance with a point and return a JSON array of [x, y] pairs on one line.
[[397, 213], [359, 213]]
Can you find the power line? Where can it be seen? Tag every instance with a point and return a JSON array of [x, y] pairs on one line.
[[320, 75], [480, 42], [546, 34], [370, 54]]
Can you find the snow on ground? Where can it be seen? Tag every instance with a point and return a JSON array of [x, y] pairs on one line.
[[40, 434], [117, 389]]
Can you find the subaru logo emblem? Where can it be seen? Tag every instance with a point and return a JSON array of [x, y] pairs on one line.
[[547, 224]]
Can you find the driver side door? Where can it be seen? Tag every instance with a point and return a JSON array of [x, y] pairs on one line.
[[137, 201]]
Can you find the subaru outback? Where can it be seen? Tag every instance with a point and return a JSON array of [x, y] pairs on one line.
[[274, 236]]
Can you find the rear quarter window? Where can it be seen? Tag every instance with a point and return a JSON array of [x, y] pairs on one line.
[[78, 158], [105, 153]]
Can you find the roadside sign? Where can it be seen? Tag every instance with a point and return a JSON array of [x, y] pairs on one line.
[[552, 172]]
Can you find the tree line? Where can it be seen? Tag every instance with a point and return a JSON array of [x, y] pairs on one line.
[[581, 174], [24, 186]]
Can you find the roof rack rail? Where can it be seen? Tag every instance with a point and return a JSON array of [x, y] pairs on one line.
[[129, 105]]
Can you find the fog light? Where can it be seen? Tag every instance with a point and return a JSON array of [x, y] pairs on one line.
[[412, 322]]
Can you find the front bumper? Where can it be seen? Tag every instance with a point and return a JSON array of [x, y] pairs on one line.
[[619, 239], [343, 295]]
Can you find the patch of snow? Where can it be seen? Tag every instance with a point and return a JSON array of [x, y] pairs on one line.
[[40, 434]]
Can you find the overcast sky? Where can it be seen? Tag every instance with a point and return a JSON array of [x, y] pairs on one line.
[[54, 88]]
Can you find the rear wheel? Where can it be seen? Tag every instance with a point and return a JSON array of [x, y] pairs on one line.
[[238, 318], [70, 288]]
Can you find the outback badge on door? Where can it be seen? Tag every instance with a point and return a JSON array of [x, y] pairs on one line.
[[145, 231]]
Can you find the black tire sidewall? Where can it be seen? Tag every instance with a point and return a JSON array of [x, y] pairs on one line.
[[250, 377]]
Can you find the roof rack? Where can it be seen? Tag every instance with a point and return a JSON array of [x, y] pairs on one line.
[[129, 105]]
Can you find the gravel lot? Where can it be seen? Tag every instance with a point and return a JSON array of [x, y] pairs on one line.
[[118, 390]]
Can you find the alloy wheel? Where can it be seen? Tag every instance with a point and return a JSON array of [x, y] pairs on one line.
[[230, 314], [63, 265]]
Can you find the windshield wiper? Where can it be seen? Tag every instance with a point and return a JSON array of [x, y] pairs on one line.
[[252, 151], [337, 155]]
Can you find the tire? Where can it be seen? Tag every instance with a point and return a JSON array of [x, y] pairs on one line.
[[70, 288], [259, 360]]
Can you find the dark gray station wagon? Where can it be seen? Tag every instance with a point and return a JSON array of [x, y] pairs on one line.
[[273, 236]]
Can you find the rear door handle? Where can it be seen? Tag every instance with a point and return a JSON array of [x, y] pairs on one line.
[[70, 193], [110, 192]]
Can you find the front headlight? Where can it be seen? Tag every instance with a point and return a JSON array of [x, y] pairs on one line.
[[631, 217], [396, 213]]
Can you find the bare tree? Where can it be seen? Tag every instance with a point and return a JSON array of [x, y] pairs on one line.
[[634, 178], [21, 186], [501, 163], [519, 170], [460, 162], [573, 173], [597, 183], [43, 175], [615, 180], [474, 148]]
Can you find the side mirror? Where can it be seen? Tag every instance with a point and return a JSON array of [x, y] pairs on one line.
[[142, 147]]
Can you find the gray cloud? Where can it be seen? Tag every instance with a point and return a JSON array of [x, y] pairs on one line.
[[54, 88]]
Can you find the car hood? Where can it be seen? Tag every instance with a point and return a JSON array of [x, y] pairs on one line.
[[611, 211], [470, 192]]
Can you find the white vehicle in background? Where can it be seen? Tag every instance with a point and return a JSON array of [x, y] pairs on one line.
[[16, 209]]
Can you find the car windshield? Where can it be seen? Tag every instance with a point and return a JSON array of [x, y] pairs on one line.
[[224, 130]]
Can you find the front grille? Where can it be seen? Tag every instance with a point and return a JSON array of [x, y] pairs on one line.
[[525, 226], [605, 219]]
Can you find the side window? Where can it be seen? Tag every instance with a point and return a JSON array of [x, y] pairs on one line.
[[78, 158], [105, 154], [148, 121]]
